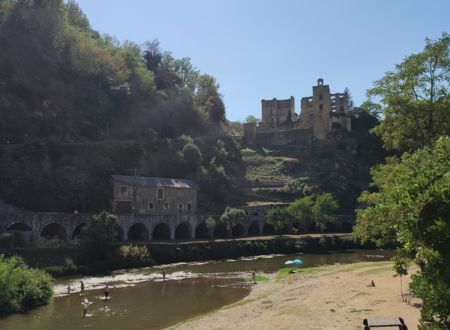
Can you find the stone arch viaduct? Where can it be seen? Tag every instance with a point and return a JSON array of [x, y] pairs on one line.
[[67, 226]]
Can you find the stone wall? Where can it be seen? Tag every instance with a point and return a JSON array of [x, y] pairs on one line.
[[281, 137]]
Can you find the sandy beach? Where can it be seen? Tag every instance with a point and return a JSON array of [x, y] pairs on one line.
[[330, 297]]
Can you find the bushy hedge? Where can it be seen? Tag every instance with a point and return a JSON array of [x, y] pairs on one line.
[[22, 288]]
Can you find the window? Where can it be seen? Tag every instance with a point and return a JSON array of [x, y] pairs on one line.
[[321, 106], [180, 193], [166, 206], [123, 190], [180, 208], [189, 206], [160, 193], [151, 206], [320, 97]]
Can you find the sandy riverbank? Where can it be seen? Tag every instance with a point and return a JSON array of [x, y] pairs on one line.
[[331, 297]]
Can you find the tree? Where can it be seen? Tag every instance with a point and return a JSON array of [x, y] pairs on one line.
[[97, 237], [279, 218], [411, 208], [210, 225], [22, 288], [415, 98], [301, 210], [192, 156], [323, 210], [251, 119], [401, 269], [231, 217]]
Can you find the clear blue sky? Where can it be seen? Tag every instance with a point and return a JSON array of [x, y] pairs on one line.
[[261, 49]]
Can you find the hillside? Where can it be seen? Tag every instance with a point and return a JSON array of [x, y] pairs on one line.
[[339, 165]]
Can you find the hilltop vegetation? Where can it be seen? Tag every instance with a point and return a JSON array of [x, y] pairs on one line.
[[76, 107]]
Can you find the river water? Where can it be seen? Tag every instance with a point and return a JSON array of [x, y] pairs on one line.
[[141, 300]]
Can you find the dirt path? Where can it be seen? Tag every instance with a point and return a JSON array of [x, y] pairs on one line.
[[331, 297]]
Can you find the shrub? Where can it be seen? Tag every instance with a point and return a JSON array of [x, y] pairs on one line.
[[22, 288], [68, 268], [134, 256]]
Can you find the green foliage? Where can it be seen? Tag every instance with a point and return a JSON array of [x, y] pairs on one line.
[[400, 265], [112, 93], [68, 268], [231, 217], [251, 119], [22, 288], [410, 208], [134, 256], [415, 98], [210, 225], [97, 237], [317, 209], [301, 210], [323, 210], [279, 218]]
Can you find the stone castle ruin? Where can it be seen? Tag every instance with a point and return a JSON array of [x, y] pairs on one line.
[[320, 114]]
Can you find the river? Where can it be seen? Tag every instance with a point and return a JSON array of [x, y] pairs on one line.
[[141, 300]]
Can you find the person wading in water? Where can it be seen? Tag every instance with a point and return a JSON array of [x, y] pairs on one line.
[[106, 291]]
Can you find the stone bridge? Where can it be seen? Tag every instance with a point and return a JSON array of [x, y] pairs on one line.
[[67, 226]]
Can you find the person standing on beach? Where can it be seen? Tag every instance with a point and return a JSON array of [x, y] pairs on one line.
[[106, 291], [81, 287], [254, 277], [164, 275]]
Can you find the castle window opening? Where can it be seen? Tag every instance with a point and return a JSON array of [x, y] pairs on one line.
[[180, 208], [320, 97], [189, 206], [166, 206], [160, 193], [151, 206], [321, 106], [123, 190]]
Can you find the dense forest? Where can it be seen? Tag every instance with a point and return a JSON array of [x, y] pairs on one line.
[[77, 106]]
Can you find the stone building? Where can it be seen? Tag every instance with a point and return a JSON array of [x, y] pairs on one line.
[[278, 114], [320, 113], [159, 196]]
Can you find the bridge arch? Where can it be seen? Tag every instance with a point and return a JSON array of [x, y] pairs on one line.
[[220, 231], [347, 227], [119, 233], [18, 226], [183, 231], [253, 229], [138, 232], [54, 230], [330, 227], [161, 232], [297, 227], [202, 231], [268, 229], [238, 230], [77, 231]]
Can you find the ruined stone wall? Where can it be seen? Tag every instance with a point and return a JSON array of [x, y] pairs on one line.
[[282, 137]]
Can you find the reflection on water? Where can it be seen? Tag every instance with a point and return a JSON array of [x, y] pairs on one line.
[[149, 303]]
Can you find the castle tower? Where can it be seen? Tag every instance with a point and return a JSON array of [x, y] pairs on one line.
[[321, 109]]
